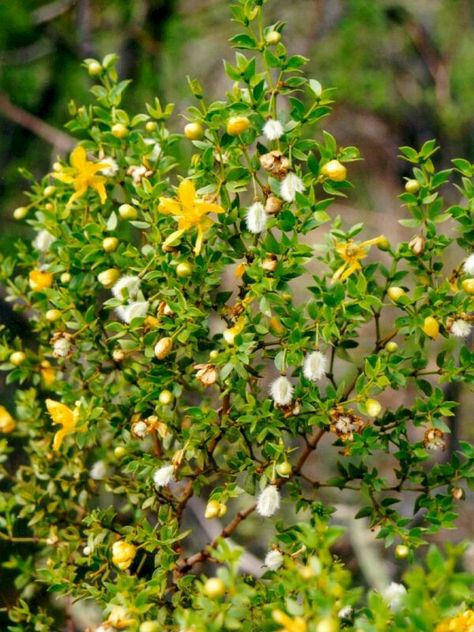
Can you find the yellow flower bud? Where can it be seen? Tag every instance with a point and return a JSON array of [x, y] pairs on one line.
[[237, 125], [468, 286], [40, 280], [49, 190], [127, 211], [327, 624], [272, 38], [166, 397], [184, 269], [212, 509], [431, 327], [94, 68], [123, 554], [151, 126], [391, 347], [163, 348], [383, 243], [48, 373], [120, 452], [17, 358], [7, 423], [395, 293], [110, 244], [412, 186], [284, 469], [334, 170], [214, 588], [52, 315], [150, 626], [109, 277], [119, 130], [65, 277], [20, 212], [401, 551], [193, 131], [373, 407]]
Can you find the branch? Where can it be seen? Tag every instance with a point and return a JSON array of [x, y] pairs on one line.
[[61, 141]]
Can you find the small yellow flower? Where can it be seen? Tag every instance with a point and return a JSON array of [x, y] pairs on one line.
[[431, 327], [298, 624], [461, 623], [352, 253], [82, 174], [40, 280], [123, 554], [61, 414], [48, 373], [190, 212], [7, 423]]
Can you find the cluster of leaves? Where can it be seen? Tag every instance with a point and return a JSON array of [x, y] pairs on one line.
[[173, 373]]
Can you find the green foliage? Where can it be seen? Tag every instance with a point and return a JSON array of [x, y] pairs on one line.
[[161, 388]]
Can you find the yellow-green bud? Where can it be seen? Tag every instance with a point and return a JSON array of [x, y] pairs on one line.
[[119, 130], [214, 588], [431, 327], [468, 286], [108, 277], [373, 407], [237, 125], [49, 190], [20, 212], [412, 186], [395, 293], [17, 358], [193, 131], [402, 551], [110, 244], [166, 397], [334, 170], [272, 38], [120, 452], [184, 269], [391, 346], [65, 277], [94, 68], [284, 469], [52, 315], [151, 126], [127, 211], [150, 626]]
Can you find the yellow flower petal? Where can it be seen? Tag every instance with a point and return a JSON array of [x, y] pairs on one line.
[[168, 206], [186, 193], [171, 239], [100, 188], [78, 158]]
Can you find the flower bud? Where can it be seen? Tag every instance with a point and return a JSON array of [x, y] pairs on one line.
[[94, 68], [273, 205], [395, 293], [457, 493], [417, 245], [127, 211], [272, 38], [166, 397], [284, 469], [52, 315], [193, 131], [151, 126], [212, 509], [214, 588], [431, 327], [49, 190], [20, 212], [163, 348], [373, 407], [40, 280], [65, 277], [184, 269], [270, 263], [120, 452], [118, 355], [17, 358], [327, 624], [150, 626], [123, 554], [334, 170], [402, 551], [383, 243], [109, 277], [412, 186], [7, 423], [468, 286], [391, 346], [237, 125], [110, 244], [119, 130]]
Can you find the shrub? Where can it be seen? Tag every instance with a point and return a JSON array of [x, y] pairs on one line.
[[187, 342]]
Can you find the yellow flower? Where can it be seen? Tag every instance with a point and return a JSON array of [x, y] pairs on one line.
[[82, 174], [297, 624], [40, 280], [352, 253], [61, 414], [190, 212], [461, 623], [7, 423], [48, 373], [123, 554]]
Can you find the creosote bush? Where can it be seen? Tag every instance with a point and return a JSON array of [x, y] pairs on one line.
[[170, 360]]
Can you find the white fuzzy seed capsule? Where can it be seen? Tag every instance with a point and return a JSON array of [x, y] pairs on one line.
[[273, 560], [468, 265], [256, 218], [281, 391], [126, 288], [269, 501], [460, 328], [290, 186], [315, 365], [163, 476], [273, 129]]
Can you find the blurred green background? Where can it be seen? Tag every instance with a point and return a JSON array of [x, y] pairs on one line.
[[403, 72]]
